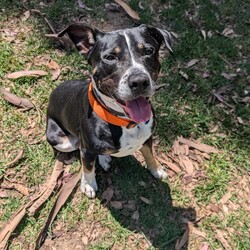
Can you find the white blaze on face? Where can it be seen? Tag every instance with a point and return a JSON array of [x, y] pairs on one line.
[[134, 63], [123, 88]]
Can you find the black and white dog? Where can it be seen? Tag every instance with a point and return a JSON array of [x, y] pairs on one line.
[[111, 114]]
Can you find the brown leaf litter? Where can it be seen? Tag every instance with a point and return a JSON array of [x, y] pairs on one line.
[[14, 185], [128, 9], [204, 246], [23, 73], [229, 32], [186, 155], [16, 100], [192, 63], [108, 194], [219, 236], [180, 243], [53, 65], [146, 200], [18, 156], [116, 204]]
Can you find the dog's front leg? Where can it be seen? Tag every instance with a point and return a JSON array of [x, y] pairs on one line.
[[155, 169], [88, 182]]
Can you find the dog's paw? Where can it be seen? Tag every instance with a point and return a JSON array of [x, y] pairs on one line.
[[88, 191], [159, 174], [104, 161], [89, 185]]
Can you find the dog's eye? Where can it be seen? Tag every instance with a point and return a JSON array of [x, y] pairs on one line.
[[110, 57], [148, 51]]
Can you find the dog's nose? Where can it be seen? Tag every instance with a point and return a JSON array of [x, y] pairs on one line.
[[138, 82]]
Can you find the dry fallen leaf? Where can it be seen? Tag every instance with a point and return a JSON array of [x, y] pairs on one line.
[[108, 194], [128, 9], [240, 120], [85, 240], [21, 189], [91, 209], [214, 208], [55, 74], [171, 165], [116, 204], [33, 73], [225, 197], [198, 232], [228, 32], [179, 149], [203, 32], [55, 69], [204, 246], [246, 99], [205, 75], [146, 200], [205, 155], [131, 205], [209, 34], [3, 194], [112, 7], [52, 64], [223, 241], [233, 206], [180, 243], [26, 16], [192, 62], [18, 156], [200, 146], [183, 74], [142, 183], [15, 100], [186, 163], [230, 76], [135, 215]]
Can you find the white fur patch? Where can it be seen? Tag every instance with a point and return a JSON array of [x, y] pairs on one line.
[[88, 184], [104, 161], [132, 139], [159, 174], [68, 144]]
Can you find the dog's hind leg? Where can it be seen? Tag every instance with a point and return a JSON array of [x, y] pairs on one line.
[[59, 139], [155, 169]]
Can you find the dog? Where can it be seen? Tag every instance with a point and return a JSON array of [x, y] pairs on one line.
[[111, 114]]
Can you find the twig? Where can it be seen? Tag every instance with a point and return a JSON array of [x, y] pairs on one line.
[[45, 19], [221, 100], [41, 14], [226, 61]]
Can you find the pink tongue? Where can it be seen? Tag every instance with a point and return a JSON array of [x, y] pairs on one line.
[[138, 109]]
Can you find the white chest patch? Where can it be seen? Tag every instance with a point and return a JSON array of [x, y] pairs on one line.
[[132, 139]]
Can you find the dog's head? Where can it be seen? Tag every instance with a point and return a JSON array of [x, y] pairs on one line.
[[125, 63]]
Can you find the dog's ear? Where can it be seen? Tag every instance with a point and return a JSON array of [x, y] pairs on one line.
[[82, 36], [161, 36]]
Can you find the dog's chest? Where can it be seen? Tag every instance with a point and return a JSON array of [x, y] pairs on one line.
[[132, 139]]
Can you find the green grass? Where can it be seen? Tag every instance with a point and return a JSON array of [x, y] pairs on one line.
[[183, 108]]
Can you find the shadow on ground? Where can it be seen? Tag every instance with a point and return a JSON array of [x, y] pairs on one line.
[[160, 221]]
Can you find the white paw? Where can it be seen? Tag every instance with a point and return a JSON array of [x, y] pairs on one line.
[[104, 161], [159, 174], [89, 185]]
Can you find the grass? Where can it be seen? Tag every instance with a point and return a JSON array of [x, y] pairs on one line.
[[183, 107]]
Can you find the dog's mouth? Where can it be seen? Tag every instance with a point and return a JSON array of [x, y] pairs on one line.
[[138, 109]]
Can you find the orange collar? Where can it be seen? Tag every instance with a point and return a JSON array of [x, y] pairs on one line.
[[104, 114]]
